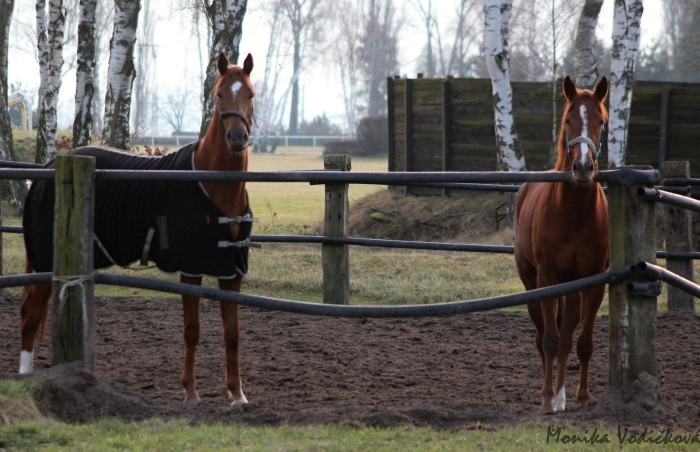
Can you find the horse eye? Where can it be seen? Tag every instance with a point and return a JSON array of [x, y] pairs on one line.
[[218, 95], [567, 122]]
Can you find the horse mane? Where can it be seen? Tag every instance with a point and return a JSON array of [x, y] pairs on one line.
[[563, 163]]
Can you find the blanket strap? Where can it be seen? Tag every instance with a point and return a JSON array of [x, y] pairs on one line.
[[147, 246], [240, 244], [247, 218]]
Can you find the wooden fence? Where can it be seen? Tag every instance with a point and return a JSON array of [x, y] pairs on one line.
[[449, 125]]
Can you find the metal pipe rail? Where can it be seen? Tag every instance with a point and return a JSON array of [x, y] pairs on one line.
[[653, 194], [656, 272], [681, 181], [431, 310], [625, 176], [679, 190]]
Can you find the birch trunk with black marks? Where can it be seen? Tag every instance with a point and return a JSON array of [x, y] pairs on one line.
[[628, 14], [584, 60], [85, 75], [496, 17], [121, 74], [50, 52], [226, 22], [7, 149], [104, 15]]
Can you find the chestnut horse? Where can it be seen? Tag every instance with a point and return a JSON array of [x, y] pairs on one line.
[[223, 148], [562, 234]]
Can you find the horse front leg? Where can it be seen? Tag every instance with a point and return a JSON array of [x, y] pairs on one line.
[[231, 324], [591, 300], [192, 331], [35, 302], [569, 310]]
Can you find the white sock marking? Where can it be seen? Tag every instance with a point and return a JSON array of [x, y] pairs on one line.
[[26, 362], [559, 402], [240, 402]]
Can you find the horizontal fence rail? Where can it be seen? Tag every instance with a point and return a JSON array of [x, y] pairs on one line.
[[656, 272], [625, 176], [431, 310], [398, 244], [684, 202]]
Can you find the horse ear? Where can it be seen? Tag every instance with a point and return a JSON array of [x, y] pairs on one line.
[[248, 64], [570, 90], [601, 89], [222, 64]]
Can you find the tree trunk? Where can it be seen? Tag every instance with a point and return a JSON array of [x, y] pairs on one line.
[[142, 116], [50, 50], [85, 81], [294, 108], [584, 60], [628, 14], [6, 9], [226, 19], [103, 16], [496, 17], [121, 74]]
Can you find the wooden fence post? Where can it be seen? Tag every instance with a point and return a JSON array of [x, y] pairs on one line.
[[632, 317], [336, 259], [677, 229], [73, 303]]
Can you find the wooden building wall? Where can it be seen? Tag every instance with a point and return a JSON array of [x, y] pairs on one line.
[[449, 125]]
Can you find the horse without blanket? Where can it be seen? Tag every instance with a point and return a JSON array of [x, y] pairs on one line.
[[195, 229], [562, 235]]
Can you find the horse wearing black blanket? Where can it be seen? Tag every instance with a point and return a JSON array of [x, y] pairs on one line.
[[194, 229]]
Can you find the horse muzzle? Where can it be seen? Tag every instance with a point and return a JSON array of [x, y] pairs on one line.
[[237, 139], [583, 171]]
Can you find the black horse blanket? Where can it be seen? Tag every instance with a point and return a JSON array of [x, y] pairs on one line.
[[173, 223]]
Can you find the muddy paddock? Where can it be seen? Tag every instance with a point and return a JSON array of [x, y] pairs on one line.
[[447, 372]]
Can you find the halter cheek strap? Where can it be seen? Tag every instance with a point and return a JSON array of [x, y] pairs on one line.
[[585, 140]]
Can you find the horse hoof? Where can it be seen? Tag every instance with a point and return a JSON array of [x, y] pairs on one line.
[[240, 402], [192, 402]]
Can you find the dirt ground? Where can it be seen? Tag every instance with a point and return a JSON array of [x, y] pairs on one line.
[[448, 372]]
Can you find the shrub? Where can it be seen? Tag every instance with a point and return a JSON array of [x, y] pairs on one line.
[[372, 138]]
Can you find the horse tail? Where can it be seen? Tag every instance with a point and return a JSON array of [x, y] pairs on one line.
[[34, 309]]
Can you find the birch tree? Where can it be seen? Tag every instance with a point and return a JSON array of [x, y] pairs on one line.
[[85, 75], [584, 59], [496, 17], [50, 50], [145, 59], [628, 14], [121, 74], [6, 10], [226, 25], [302, 16], [104, 15]]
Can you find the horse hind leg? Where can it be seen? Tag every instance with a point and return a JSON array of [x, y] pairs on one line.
[[192, 331], [231, 326], [591, 300], [34, 309], [569, 310]]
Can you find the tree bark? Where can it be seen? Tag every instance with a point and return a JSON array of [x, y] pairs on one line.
[[6, 9], [121, 74], [103, 16], [85, 75], [584, 60], [496, 16], [294, 109], [50, 50], [226, 20], [628, 14]]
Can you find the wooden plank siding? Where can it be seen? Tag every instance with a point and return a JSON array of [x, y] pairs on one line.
[[470, 138]]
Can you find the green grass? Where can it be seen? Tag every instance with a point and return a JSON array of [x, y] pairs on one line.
[[156, 435]]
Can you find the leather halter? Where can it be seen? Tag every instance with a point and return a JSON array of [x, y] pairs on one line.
[[585, 140], [236, 113]]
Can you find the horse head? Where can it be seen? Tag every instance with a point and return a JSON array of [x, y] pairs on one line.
[[234, 102], [582, 126]]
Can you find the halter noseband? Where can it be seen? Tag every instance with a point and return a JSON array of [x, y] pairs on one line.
[[236, 113], [582, 139]]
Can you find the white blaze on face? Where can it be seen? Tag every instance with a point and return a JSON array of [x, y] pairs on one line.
[[584, 133], [26, 362], [235, 88]]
